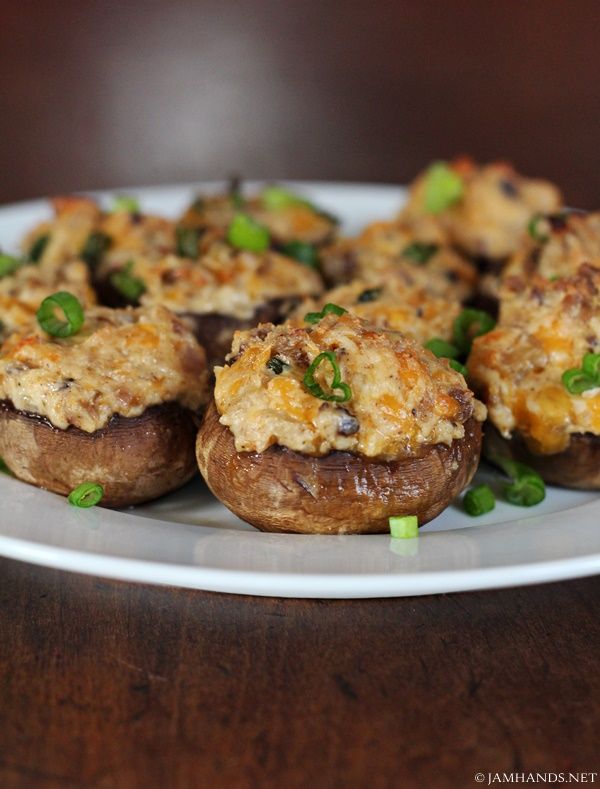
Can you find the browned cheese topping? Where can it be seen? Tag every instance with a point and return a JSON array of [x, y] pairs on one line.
[[491, 217], [402, 396], [386, 247], [121, 362], [545, 328], [396, 303]]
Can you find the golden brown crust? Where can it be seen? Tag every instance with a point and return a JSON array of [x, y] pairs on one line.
[[135, 459], [577, 466], [341, 493]]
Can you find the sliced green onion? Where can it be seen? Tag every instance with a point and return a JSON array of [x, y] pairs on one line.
[[126, 204], [469, 324], [128, 286], [96, 245], [442, 348], [591, 365], [187, 241], [443, 188], [86, 495], [303, 252], [71, 309], [245, 233], [419, 252], [275, 197], [576, 381], [371, 294], [4, 469], [460, 368], [8, 264], [277, 365], [38, 247], [328, 309], [526, 488], [404, 527], [534, 231], [479, 500], [315, 388]]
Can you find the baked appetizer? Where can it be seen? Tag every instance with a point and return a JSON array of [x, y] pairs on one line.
[[294, 223], [109, 398], [396, 303], [538, 372], [557, 245], [386, 247], [336, 426], [233, 284]]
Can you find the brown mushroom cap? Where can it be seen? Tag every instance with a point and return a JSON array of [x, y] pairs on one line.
[[135, 459], [577, 466], [340, 493]]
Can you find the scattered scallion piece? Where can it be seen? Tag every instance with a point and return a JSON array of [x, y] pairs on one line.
[[419, 252], [534, 230], [370, 294], [8, 264], [442, 348], [302, 252], [328, 309], [275, 197], [235, 192], [337, 384], [479, 500], [128, 286], [580, 379], [460, 368], [125, 203], [69, 306], [443, 187], [4, 469], [276, 365], [38, 247], [245, 233], [88, 494], [404, 527], [469, 324], [526, 488], [187, 241], [95, 246]]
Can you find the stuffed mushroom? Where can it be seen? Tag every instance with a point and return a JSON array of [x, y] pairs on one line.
[[335, 427], [538, 372], [112, 397]]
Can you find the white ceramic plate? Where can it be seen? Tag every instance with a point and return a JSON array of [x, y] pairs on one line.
[[189, 539]]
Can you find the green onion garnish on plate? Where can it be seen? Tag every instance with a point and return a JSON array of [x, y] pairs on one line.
[[443, 187], [404, 527], [302, 252], [419, 252], [479, 500], [469, 324], [125, 204], [88, 494], [8, 264], [37, 248], [126, 284], [328, 309]]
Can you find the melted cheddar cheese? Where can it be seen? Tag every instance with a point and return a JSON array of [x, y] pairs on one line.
[[545, 328], [393, 303], [121, 362], [403, 398]]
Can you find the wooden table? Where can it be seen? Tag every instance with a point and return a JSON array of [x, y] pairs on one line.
[[107, 684]]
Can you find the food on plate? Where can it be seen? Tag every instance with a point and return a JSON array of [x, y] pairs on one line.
[[334, 426], [23, 286], [557, 245], [385, 247], [107, 397], [395, 302], [225, 289], [538, 372], [294, 223]]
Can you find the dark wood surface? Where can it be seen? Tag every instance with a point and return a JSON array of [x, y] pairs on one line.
[[105, 684]]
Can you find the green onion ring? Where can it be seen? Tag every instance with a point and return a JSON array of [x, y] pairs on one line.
[[71, 309], [315, 388], [86, 495]]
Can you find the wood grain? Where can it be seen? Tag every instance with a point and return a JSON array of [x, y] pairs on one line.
[[106, 684]]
